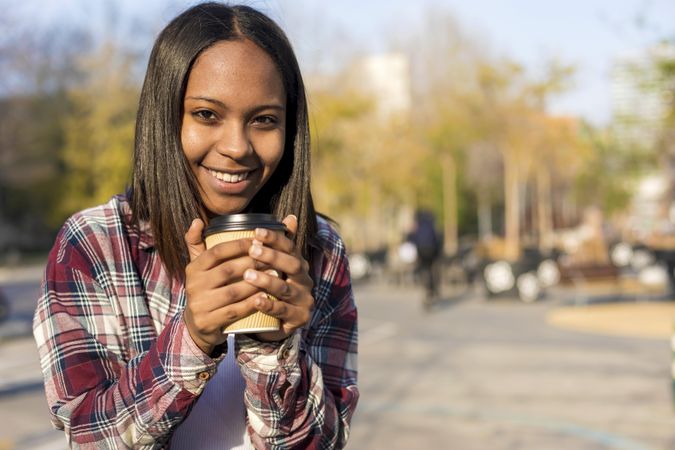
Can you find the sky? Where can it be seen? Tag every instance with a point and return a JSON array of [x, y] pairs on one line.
[[589, 34]]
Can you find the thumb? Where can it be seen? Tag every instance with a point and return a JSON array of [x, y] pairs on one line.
[[193, 239]]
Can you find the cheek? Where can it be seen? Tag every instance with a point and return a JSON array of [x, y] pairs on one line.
[[272, 158], [189, 139]]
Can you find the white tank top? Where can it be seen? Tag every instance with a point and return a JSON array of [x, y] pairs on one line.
[[218, 419]]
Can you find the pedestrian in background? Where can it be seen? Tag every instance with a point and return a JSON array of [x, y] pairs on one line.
[[428, 244], [129, 324]]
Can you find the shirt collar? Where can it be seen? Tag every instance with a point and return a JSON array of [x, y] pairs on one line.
[[145, 238], [141, 228]]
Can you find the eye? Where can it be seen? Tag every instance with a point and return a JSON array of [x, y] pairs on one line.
[[204, 115], [265, 121]]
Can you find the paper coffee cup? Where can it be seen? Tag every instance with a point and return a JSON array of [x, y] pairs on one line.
[[237, 226]]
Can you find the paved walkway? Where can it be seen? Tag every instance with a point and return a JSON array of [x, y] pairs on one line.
[[465, 375], [475, 373]]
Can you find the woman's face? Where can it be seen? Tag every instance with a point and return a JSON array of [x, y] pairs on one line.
[[234, 123]]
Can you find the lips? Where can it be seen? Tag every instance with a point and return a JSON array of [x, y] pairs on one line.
[[228, 182]]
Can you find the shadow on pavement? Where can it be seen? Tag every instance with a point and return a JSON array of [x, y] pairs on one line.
[[19, 389], [449, 301]]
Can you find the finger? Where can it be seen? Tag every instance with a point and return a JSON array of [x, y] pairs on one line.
[[290, 264], [229, 295], [269, 283], [276, 308], [292, 316], [223, 251], [231, 313], [233, 270], [274, 239], [193, 239]]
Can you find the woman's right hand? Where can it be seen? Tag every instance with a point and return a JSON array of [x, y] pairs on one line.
[[216, 293]]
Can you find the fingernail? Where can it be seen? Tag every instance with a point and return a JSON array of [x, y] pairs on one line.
[[256, 250], [261, 232], [250, 275]]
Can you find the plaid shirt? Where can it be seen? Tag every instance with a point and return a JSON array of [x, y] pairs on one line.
[[120, 367]]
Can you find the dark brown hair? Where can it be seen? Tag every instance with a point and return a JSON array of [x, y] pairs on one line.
[[164, 190]]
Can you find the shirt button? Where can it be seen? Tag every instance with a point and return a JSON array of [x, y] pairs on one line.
[[204, 376], [284, 353]]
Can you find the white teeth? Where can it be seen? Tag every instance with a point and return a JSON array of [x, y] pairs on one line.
[[229, 177]]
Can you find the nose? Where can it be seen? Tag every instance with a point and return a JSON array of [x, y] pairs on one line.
[[234, 141]]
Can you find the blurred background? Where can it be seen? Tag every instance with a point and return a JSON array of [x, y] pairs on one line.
[[538, 136]]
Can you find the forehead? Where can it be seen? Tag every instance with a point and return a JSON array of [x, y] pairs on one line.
[[237, 67]]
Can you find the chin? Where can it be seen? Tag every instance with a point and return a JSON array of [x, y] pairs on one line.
[[232, 208]]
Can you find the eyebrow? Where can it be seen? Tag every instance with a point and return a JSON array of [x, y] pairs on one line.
[[277, 106]]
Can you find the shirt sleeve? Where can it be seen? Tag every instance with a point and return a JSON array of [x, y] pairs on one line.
[[301, 393], [101, 399]]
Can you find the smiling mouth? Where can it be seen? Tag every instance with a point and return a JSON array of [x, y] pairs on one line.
[[229, 177]]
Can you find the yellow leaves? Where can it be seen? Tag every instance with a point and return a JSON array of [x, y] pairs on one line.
[[350, 150], [99, 133]]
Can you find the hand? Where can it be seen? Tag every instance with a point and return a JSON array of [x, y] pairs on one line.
[[295, 302], [216, 294]]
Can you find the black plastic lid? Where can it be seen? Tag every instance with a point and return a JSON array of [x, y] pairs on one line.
[[235, 222]]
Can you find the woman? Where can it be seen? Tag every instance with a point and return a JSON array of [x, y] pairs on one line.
[[129, 323]]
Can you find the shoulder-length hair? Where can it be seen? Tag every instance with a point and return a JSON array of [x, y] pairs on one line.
[[164, 190]]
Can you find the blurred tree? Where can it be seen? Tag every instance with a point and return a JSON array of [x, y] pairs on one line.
[[477, 130], [509, 109], [485, 119], [37, 67], [99, 132], [444, 60], [560, 157], [50, 102], [364, 166], [484, 172], [333, 118], [605, 179], [448, 136], [666, 140]]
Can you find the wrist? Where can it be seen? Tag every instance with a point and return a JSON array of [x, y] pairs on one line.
[[203, 345]]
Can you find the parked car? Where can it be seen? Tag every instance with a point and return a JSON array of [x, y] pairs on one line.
[[527, 278]]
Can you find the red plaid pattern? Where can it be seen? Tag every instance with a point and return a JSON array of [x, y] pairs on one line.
[[121, 370]]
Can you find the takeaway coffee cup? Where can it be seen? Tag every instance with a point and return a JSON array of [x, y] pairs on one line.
[[237, 226]]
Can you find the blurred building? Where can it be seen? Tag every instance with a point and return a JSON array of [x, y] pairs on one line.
[[386, 79], [648, 214], [640, 97]]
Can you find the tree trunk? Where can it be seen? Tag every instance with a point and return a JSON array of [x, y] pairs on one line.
[[377, 221], [449, 204], [484, 216], [544, 210], [512, 207]]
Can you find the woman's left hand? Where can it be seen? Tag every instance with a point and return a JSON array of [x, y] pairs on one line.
[[294, 293]]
